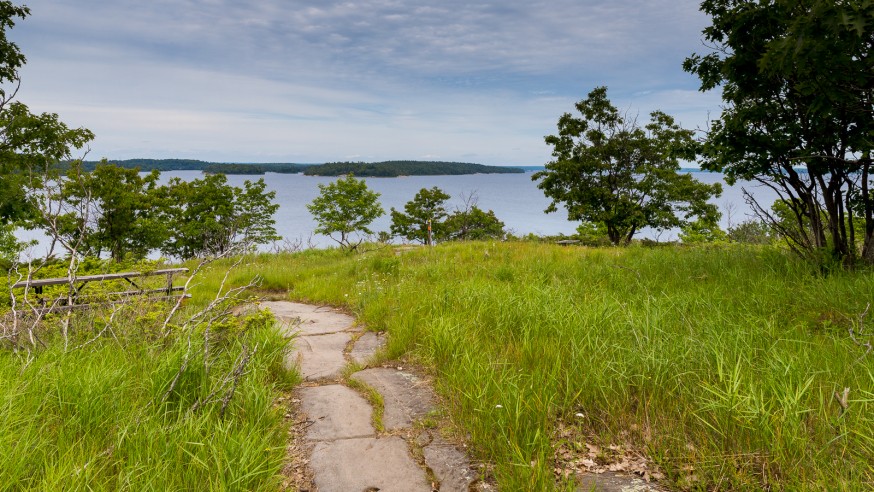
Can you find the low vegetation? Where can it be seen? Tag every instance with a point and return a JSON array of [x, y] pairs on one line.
[[119, 399], [725, 366]]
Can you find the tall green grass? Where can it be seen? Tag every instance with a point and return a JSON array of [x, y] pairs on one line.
[[720, 364], [102, 415]]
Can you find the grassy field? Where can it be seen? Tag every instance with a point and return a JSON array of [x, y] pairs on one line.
[[133, 409], [718, 364]]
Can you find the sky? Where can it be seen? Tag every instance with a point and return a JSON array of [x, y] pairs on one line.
[[318, 81]]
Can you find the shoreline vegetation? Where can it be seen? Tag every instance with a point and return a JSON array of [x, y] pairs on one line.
[[392, 169], [386, 169]]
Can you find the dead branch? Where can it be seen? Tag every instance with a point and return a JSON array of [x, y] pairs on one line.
[[220, 298], [232, 379], [115, 310], [236, 374], [208, 314]]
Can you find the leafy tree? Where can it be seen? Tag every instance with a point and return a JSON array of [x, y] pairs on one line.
[[30, 144], [9, 245], [345, 207], [701, 231], [124, 211], [426, 207], [209, 217], [592, 234], [797, 80], [611, 172], [473, 224], [750, 232]]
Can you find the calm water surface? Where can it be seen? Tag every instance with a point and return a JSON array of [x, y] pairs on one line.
[[515, 199]]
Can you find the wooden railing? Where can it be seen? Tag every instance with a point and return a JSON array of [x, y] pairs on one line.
[[75, 298]]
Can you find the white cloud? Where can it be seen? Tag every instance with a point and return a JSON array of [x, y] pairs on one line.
[[305, 81]]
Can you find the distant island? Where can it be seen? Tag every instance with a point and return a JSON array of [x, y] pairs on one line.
[[385, 169], [217, 168], [390, 169], [162, 165]]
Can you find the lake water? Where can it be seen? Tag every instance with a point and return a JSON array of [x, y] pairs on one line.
[[515, 199]]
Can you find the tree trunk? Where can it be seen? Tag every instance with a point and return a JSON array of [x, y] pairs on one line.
[[868, 245]]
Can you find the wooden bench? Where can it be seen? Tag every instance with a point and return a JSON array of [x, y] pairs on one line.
[[73, 298]]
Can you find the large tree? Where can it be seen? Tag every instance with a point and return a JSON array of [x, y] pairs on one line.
[[620, 177], [344, 209], [124, 210], [797, 79], [30, 144], [210, 217]]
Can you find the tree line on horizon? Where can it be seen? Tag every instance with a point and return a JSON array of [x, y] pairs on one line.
[[364, 169], [388, 169]]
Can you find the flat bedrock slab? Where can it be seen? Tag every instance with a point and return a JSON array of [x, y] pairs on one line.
[[359, 465], [337, 412], [406, 397], [450, 465], [613, 482], [366, 346], [319, 356], [314, 320]]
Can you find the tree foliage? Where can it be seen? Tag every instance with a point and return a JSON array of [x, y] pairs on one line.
[[473, 224], [345, 208], [468, 222], [147, 165], [209, 217], [750, 232], [405, 168], [622, 177], [426, 208], [30, 144], [130, 215], [797, 79], [701, 231], [123, 215]]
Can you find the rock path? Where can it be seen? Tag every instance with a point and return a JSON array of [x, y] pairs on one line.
[[348, 453]]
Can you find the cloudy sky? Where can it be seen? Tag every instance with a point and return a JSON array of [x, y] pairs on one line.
[[296, 81]]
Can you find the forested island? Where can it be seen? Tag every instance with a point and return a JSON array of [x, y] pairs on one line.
[[385, 169], [217, 168], [162, 165], [390, 169]]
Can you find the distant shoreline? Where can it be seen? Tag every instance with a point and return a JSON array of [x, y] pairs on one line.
[[361, 169]]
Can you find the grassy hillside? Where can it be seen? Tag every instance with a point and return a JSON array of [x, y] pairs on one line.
[[719, 365], [121, 406]]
